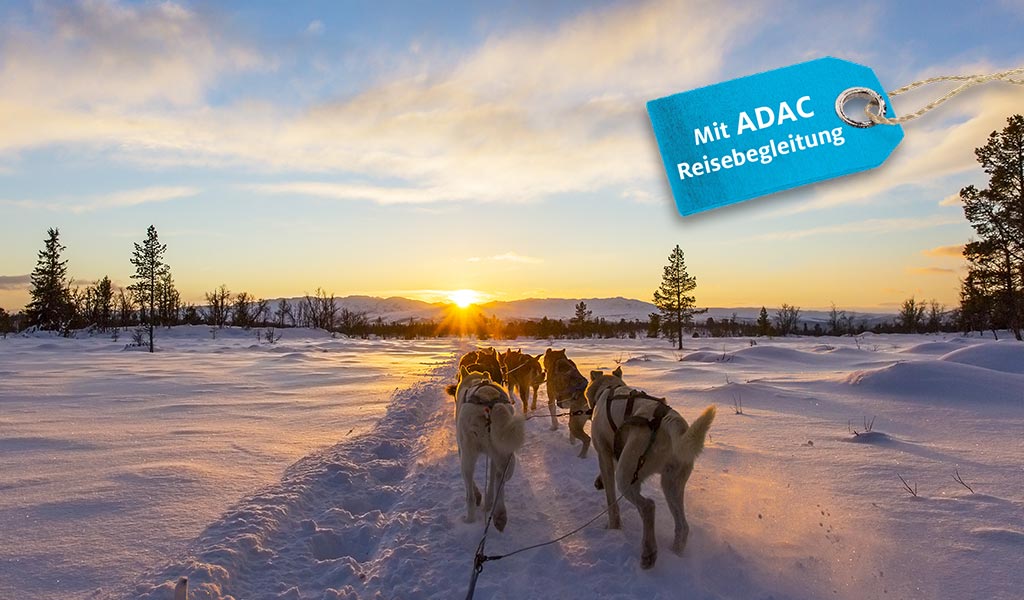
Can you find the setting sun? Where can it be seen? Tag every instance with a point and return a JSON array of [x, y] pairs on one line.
[[463, 298]]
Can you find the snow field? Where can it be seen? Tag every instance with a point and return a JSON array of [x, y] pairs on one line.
[[785, 502]]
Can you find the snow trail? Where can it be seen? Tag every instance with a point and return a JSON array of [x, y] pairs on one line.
[[380, 516]]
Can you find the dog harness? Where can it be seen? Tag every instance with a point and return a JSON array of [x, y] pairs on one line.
[[628, 418], [471, 398]]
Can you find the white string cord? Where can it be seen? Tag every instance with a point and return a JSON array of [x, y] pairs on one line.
[[969, 82]]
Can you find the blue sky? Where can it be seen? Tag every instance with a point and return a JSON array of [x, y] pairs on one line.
[[412, 149]]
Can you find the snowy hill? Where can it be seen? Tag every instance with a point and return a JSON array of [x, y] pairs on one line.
[[397, 308]]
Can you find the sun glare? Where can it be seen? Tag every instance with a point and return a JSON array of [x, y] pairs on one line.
[[463, 298]]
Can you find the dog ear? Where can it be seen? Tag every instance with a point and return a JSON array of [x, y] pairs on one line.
[[617, 372], [547, 352], [464, 371], [595, 374]]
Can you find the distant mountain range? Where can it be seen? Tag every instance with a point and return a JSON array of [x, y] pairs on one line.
[[397, 308]]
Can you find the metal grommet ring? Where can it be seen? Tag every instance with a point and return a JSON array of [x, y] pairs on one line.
[[872, 97]]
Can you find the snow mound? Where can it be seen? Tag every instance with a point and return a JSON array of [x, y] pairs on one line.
[[928, 348], [869, 437], [706, 356], [783, 355], [1000, 534], [940, 380], [1007, 357]]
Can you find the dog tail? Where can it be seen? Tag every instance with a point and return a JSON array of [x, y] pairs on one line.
[[508, 429], [691, 443], [451, 389]]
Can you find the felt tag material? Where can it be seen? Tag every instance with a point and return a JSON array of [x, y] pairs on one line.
[[765, 133]]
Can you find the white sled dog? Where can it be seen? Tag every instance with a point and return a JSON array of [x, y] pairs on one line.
[[637, 435], [486, 422]]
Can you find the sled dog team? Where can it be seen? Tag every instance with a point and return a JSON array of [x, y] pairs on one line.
[[635, 434]]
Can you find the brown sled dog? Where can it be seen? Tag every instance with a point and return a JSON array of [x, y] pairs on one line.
[[481, 360], [487, 360], [486, 423], [557, 388], [635, 436], [522, 373], [568, 385]]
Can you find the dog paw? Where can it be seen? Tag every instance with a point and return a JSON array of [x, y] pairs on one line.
[[614, 524], [554, 427], [598, 483], [500, 519], [678, 547], [468, 519], [648, 559], [478, 496], [583, 454]]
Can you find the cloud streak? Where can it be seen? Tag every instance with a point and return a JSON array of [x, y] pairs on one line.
[[119, 199], [954, 251], [868, 226], [15, 282]]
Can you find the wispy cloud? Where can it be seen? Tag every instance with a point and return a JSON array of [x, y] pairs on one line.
[[315, 27], [119, 199], [868, 226], [930, 270], [951, 200], [508, 257], [15, 282], [481, 128], [954, 251], [161, 54]]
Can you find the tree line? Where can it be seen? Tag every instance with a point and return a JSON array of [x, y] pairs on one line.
[[991, 295]]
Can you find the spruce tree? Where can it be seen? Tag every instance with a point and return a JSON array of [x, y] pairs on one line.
[[673, 297], [48, 309], [764, 326], [150, 270], [996, 259], [581, 318]]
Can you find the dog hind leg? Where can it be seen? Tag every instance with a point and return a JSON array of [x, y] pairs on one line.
[[673, 483], [607, 465], [624, 470], [472, 492], [501, 471], [576, 425]]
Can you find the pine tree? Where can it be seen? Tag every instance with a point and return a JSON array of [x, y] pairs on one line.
[[672, 297], [102, 295], [764, 326], [996, 259], [579, 321], [653, 325], [48, 309], [150, 270]]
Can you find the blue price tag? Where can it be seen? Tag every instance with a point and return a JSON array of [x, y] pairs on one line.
[[769, 132]]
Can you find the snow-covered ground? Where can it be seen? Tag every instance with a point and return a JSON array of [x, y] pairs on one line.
[[119, 473], [112, 461]]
